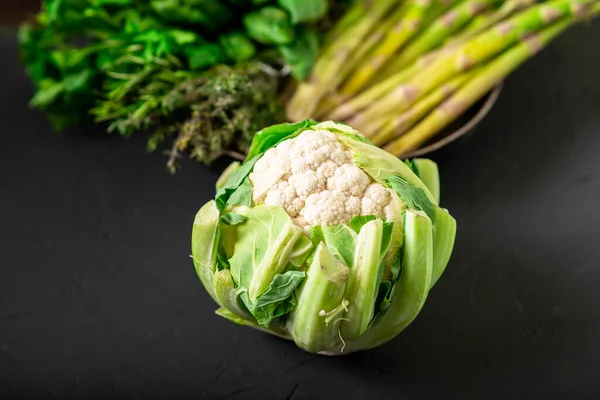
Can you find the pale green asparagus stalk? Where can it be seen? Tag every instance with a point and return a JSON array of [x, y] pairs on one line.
[[395, 126], [489, 76], [468, 55], [334, 99], [371, 95], [349, 19], [396, 38], [485, 21], [441, 29], [325, 76]]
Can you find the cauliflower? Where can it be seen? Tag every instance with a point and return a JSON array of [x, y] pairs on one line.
[[313, 177], [285, 246]]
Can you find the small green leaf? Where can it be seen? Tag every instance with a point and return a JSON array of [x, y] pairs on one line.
[[234, 181], [237, 46], [242, 195], [232, 219], [47, 94], [305, 10], [341, 242], [357, 222], [205, 55], [415, 197], [278, 299], [182, 37], [273, 135], [226, 174], [77, 81], [301, 54], [269, 25]]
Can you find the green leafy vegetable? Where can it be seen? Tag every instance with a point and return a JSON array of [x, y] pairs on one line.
[[305, 10], [301, 54], [270, 26], [188, 71]]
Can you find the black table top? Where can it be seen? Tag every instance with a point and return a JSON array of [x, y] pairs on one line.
[[98, 296]]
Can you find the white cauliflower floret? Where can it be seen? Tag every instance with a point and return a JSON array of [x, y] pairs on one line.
[[284, 195], [313, 178], [349, 179], [375, 199], [325, 208], [327, 169], [306, 183]]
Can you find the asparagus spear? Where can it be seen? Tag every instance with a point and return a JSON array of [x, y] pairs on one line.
[[475, 88], [334, 99], [325, 75], [485, 21], [402, 32], [473, 52], [441, 29], [382, 133], [349, 19], [372, 94]]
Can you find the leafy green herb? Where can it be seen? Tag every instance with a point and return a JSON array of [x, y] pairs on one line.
[[301, 54], [186, 70], [270, 26], [305, 10]]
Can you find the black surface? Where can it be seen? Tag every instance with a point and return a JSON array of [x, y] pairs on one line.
[[98, 297]]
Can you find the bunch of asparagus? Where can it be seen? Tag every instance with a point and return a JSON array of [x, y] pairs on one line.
[[401, 71]]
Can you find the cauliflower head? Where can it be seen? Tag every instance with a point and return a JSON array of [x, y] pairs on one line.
[[322, 238], [314, 178]]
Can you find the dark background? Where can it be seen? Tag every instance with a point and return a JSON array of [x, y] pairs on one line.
[[98, 297]]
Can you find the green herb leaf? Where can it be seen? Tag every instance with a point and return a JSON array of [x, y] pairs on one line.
[[237, 46], [301, 54], [204, 56], [415, 197], [269, 25], [305, 10], [47, 94]]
